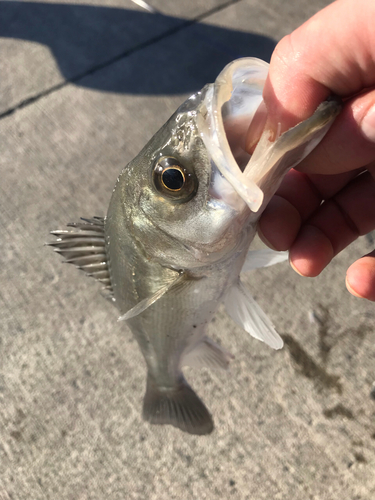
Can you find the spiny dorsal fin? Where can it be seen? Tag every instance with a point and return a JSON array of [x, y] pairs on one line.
[[84, 246]]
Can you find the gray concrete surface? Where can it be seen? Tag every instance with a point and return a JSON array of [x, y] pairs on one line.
[[298, 423]]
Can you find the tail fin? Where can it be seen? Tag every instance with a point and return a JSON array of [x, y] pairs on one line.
[[179, 407]]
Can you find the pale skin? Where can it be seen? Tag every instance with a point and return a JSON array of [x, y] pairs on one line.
[[332, 53]]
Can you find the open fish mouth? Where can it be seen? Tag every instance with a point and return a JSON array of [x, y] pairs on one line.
[[230, 106], [233, 112]]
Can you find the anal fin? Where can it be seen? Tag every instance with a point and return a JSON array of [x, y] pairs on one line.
[[207, 354], [178, 406]]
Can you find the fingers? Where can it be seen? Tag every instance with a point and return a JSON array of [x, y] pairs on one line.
[[311, 252], [315, 232], [298, 197], [256, 128], [336, 224], [279, 225], [350, 142], [333, 52], [360, 277]]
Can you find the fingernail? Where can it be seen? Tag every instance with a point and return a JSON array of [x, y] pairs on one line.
[[350, 289], [368, 124], [294, 268]]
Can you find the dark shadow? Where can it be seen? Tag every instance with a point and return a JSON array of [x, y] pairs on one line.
[[84, 39]]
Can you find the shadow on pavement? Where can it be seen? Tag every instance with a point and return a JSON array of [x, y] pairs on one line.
[[84, 39]]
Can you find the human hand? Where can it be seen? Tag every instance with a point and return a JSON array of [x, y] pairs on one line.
[[330, 201]]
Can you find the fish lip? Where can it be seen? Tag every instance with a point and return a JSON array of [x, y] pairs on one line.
[[245, 73]]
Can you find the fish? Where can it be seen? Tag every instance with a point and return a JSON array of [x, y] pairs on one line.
[[177, 233]]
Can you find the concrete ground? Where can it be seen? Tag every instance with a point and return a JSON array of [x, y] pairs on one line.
[[82, 88]]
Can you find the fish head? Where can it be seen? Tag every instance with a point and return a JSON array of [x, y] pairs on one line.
[[193, 194], [173, 199]]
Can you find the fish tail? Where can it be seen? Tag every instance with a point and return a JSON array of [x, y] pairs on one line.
[[178, 406]]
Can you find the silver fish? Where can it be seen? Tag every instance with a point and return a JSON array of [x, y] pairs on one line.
[[177, 234]]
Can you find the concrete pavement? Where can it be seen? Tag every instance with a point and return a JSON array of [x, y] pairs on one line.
[[82, 88]]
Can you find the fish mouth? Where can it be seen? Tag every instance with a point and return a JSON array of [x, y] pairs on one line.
[[232, 124], [228, 110]]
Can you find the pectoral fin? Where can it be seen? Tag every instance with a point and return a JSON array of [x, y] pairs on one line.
[[245, 312], [147, 302], [207, 354], [263, 258]]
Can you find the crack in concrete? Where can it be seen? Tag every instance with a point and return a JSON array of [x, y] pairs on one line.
[[98, 67]]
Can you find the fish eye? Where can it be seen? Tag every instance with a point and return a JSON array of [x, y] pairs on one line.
[[173, 180]]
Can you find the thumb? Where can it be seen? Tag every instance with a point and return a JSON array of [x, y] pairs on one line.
[[360, 277], [333, 52], [350, 142]]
